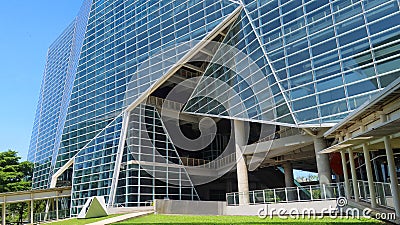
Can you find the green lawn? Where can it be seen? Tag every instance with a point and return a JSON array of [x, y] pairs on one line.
[[75, 221], [178, 219]]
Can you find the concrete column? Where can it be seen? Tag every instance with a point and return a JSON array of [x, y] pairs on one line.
[[370, 176], [3, 214], [289, 181], [289, 178], [394, 184], [354, 176], [323, 166], [346, 175], [31, 211], [241, 167], [57, 207]]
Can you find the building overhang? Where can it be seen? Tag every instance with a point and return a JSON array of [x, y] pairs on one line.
[[374, 120]]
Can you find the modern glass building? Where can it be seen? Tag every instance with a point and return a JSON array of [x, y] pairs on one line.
[[129, 79], [54, 97]]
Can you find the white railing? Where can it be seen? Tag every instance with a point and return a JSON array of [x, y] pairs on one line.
[[51, 215], [215, 164], [285, 132], [188, 74], [193, 161], [383, 193], [160, 102], [219, 163], [292, 194], [315, 193]]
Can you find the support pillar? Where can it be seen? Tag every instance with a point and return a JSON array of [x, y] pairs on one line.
[[323, 165], [346, 175], [241, 167], [356, 192], [3, 213], [57, 207], [289, 180], [394, 184], [31, 211], [370, 176]]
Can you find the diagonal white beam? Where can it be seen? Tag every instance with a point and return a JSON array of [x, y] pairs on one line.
[[60, 171], [225, 23], [270, 64], [118, 161], [71, 161]]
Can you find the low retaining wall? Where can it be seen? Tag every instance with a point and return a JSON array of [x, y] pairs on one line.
[[189, 207], [120, 210], [220, 208], [293, 208]]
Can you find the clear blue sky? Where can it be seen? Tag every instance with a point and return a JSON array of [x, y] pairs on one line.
[[27, 30]]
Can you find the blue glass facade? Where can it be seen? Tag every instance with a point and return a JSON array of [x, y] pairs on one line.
[[126, 34], [119, 36], [308, 63], [326, 57], [58, 78]]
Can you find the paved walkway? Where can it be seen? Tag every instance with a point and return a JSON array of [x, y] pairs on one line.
[[379, 210], [121, 218]]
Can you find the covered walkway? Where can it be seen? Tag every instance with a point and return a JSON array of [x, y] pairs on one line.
[[374, 126], [30, 197]]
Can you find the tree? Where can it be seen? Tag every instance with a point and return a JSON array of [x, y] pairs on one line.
[[15, 176]]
